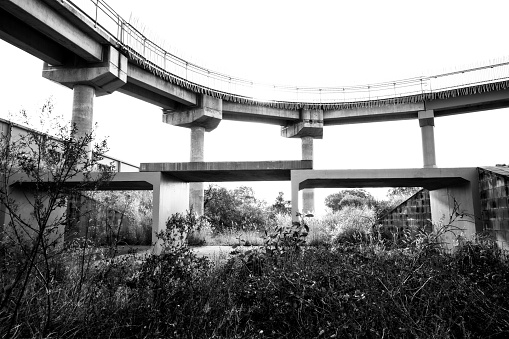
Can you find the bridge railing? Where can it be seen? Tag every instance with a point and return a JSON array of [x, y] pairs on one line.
[[132, 40]]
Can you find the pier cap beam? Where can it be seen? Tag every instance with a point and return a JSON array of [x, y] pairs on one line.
[[208, 114], [106, 77], [310, 125], [229, 171]]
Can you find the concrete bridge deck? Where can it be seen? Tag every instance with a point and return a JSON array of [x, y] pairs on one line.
[[80, 50]]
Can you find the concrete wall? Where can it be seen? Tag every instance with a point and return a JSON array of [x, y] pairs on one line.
[[494, 193], [413, 213], [23, 207], [458, 208]]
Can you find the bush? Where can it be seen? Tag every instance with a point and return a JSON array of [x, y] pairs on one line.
[[282, 290]]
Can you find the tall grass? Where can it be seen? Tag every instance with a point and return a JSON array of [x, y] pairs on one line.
[[360, 288]]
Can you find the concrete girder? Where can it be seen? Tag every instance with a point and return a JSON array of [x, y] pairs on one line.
[[19, 34], [388, 112], [105, 77], [208, 115], [46, 20], [263, 114], [82, 21], [469, 103], [145, 79]]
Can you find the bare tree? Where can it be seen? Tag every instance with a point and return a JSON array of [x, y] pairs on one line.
[[38, 172]]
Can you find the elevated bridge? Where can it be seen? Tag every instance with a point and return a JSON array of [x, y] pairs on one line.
[[88, 47]]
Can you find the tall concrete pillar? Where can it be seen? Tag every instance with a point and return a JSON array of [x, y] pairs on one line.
[[308, 195], [427, 124], [83, 109], [308, 128], [196, 195], [169, 196], [203, 118]]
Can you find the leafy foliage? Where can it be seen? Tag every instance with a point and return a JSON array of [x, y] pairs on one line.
[[236, 209], [281, 206], [35, 172], [355, 197], [286, 290]]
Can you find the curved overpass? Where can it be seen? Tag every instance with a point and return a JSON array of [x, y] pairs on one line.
[[89, 48], [63, 32]]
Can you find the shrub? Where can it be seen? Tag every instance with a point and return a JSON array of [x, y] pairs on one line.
[[348, 224]]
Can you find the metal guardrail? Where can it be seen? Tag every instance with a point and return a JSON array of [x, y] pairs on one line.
[[133, 41]]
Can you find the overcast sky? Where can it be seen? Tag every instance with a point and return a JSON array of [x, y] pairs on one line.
[[318, 43]]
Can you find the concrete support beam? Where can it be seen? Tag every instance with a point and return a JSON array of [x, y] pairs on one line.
[[427, 124], [374, 113], [295, 196], [196, 194], [106, 77], [170, 196], [310, 125], [83, 110], [208, 114], [38, 15], [145, 79], [203, 119], [19, 34], [458, 206], [262, 114], [308, 195]]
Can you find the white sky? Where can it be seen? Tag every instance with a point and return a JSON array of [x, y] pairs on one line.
[[318, 43]]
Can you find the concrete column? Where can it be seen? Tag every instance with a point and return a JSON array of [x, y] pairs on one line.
[[427, 124], [170, 196], [308, 195], [196, 196], [83, 109], [295, 197]]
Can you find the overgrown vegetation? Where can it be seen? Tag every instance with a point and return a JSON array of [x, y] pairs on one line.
[[351, 284], [38, 172], [357, 287]]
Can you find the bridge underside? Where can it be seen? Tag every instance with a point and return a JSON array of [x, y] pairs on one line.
[[454, 192], [229, 171]]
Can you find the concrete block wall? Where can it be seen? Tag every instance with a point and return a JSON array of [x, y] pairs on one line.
[[413, 213], [494, 191]]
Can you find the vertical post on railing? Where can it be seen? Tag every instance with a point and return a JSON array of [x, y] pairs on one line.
[[320, 91], [96, 8], [121, 31], [186, 70], [118, 29], [369, 93]]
